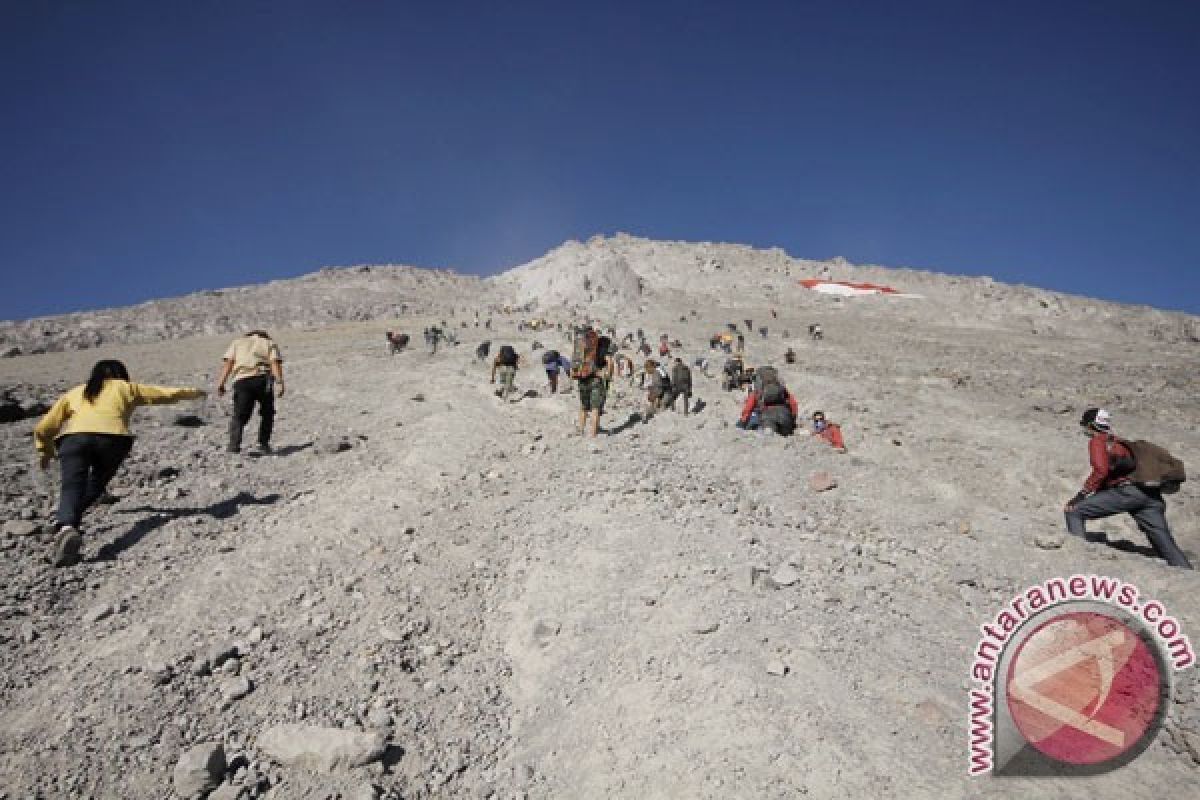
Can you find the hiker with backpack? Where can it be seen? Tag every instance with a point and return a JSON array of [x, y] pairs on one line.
[[88, 430], [769, 405], [831, 432], [554, 363], [1126, 478], [658, 385], [592, 367], [256, 366], [505, 364], [681, 386]]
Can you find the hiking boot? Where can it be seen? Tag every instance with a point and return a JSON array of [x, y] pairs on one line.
[[232, 449], [66, 548], [262, 449]]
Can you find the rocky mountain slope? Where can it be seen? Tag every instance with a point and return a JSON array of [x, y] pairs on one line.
[[429, 593]]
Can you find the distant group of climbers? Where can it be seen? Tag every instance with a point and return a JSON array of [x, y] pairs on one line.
[[88, 428]]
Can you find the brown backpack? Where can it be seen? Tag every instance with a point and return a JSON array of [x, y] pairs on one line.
[[1154, 467]]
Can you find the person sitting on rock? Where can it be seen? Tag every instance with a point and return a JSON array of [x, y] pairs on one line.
[[506, 364], [831, 432], [88, 429], [1110, 490]]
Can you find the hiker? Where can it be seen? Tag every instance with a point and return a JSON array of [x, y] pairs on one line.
[[1110, 489], [593, 370], [658, 383], [831, 432], [815, 332], [769, 405], [396, 342], [741, 343], [681, 386], [790, 356], [506, 363], [432, 337], [763, 331], [555, 363], [624, 367], [88, 430], [749, 324], [254, 363]]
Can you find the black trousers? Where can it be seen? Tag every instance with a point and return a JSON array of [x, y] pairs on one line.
[[89, 461], [247, 393]]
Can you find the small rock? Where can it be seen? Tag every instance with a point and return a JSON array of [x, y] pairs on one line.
[[219, 654], [777, 667], [1048, 541], [544, 631], [328, 445], [199, 770], [706, 627], [160, 673], [379, 718], [321, 749], [28, 633], [821, 482], [418, 398], [227, 791], [21, 527], [98, 613], [786, 575], [235, 689]]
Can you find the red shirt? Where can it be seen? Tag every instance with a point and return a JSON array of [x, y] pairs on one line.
[[833, 435], [752, 403], [1101, 459]]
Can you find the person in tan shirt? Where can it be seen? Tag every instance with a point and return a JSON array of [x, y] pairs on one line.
[[256, 366], [88, 430]]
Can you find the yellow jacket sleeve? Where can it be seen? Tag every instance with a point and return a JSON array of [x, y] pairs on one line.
[[49, 426], [146, 395]]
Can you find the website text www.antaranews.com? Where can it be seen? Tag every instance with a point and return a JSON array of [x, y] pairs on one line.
[[1076, 588]]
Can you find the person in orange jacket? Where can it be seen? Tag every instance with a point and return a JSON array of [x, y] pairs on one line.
[[779, 416], [829, 431]]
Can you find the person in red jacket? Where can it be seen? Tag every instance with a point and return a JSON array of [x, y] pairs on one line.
[[779, 416], [1110, 490], [829, 431]]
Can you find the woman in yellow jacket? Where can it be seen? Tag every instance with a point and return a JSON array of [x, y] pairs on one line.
[[89, 429]]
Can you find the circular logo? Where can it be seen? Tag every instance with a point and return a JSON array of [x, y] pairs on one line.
[[1084, 688]]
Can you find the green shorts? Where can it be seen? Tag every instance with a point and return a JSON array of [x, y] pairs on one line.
[[592, 393], [507, 375]]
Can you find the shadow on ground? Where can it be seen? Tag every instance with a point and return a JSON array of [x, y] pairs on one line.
[[223, 509]]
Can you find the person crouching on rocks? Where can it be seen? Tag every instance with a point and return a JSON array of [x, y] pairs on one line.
[[1109, 489], [831, 432], [506, 363], [88, 429], [256, 366]]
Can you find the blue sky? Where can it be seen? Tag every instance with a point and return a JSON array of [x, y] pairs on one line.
[[150, 149]]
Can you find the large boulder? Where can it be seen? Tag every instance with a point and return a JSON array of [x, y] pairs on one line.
[[199, 771]]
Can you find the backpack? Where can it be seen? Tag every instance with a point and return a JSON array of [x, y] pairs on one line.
[[507, 357], [664, 378], [583, 359], [770, 390], [1154, 467], [550, 357]]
